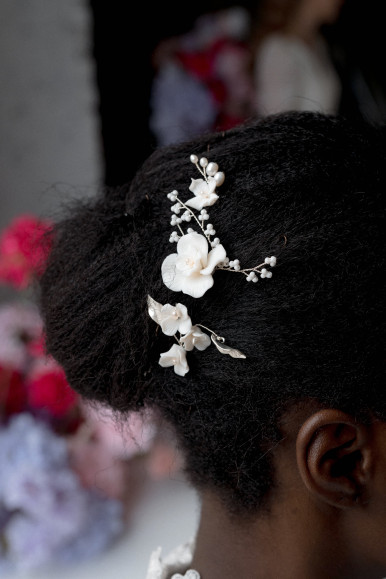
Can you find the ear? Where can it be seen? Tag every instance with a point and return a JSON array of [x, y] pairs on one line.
[[334, 457]]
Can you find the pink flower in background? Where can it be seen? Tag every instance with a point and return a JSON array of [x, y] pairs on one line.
[[24, 247], [48, 389]]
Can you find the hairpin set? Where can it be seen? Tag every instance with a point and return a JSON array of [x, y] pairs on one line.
[[191, 269]]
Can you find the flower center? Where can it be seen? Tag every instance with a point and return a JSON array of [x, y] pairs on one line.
[[190, 262]]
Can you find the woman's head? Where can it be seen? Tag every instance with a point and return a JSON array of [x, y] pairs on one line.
[[302, 186]]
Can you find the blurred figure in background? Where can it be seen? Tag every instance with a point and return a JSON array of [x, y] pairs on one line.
[[292, 64], [202, 79]]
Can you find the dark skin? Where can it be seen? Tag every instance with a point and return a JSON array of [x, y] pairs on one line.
[[326, 516]]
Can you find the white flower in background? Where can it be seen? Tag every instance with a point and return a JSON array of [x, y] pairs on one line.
[[204, 193], [190, 269], [174, 319], [176, 357], [195, 339]]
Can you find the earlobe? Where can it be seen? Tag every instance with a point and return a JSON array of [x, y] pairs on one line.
[[334, 456]]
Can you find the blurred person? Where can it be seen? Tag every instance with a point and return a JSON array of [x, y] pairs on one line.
[[293, 68], [202, 78]]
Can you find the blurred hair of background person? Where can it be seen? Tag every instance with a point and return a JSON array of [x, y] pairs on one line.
[[292, 66]]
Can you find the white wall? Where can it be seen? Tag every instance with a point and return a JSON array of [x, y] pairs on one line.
[[49, 128]]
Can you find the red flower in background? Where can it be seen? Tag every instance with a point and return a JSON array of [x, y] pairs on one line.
[[48, 389], [24, 247], [12, 390]]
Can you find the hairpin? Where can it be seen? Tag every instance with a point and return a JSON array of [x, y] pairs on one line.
[[173, 319], [200, 254]]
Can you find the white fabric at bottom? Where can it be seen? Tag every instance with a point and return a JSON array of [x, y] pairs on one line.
[[175, 565]]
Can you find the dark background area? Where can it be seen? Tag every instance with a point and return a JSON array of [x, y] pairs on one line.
[[124, 38]]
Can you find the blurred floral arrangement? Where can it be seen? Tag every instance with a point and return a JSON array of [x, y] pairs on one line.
[[66, 469], [202, 79]]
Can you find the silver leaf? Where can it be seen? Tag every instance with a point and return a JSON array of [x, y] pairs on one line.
[[154, 309], [224, 349]]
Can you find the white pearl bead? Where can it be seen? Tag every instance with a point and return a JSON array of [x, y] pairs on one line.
[[219, 178], [194, 159], [212, 169], [203, 161]]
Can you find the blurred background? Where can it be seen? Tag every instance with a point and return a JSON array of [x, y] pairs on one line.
[[89, 89]]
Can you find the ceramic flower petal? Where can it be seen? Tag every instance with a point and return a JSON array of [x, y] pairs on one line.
[[196, 286], [215, 256], [185, 321], [199, 203], [168, 271], [176, 357], [195, 339], [204, 193], [201, 187], [190, 263], [192, 242]]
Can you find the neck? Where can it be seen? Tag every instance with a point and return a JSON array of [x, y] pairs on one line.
[[277, 545]]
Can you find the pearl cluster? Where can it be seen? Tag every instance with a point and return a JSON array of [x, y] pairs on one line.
[[251, 274], [206, 169], [210, 169], [235, 264]]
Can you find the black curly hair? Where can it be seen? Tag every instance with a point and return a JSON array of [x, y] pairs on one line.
[[305, 187]]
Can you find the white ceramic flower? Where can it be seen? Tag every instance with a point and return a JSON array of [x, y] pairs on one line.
[[204, 193], [176, 357], [174, 319], [195, 338], [190, 269]]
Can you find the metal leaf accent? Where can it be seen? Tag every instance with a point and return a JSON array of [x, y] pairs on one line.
[[224, 349], [154, 309]]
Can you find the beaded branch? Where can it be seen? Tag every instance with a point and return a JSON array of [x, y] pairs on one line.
[[205, 196]]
